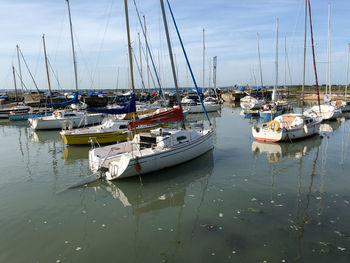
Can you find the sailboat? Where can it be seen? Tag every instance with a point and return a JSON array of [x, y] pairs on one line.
[[288, 127], [61, 118], [157, 149], [273, 109], [325, 111], [344, 105]]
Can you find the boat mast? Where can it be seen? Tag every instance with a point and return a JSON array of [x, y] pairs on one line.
[[214, 75], [140, 61], [19, 66], [274, 97], [260, 69], [14, 80], [329, 51], [203, 57], [285, 62], [314, 58], [171, 57], [72, 40], [304, 64], [145, 35], [47, 69], [347, 74]]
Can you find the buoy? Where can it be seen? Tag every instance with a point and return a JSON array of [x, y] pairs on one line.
[[274, 125]]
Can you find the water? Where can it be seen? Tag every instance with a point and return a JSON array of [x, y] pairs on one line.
[[242, 202]]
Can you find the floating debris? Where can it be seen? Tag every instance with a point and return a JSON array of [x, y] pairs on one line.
[[318, 197], [221, 215], [341, 248], [213, 254], [66, 242], [346, 202], [278, 205], [338, 233], [160, 229], [255, 210], [253, 199], [83, 212], [103, 225], [191, 195], [58, 261], [234, 252], [78, 248]]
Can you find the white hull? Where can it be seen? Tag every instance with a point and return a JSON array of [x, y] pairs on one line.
[[132, 163], [250, 103], [328, 112], [265, 133], [52, 123], [199, 108]]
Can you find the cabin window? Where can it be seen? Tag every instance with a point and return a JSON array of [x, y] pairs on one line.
[[69, 115], [181, 138], [123, 127]]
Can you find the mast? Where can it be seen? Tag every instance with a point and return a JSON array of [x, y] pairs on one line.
[[145, 29], [214, 75], [347, 74], [19, 66], [47, 69], [274, 95], [14, 80], [304, 62], [203, 56], [73, 51], [129, 45], [260, 69], [314, 58], [140, 61], [171, 57], [285, 62], [329, 51]]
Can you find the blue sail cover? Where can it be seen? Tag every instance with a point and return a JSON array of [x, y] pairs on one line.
[[130, 107], [66, 103]]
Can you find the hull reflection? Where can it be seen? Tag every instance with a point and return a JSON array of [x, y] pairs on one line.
[[296, 149], [162, 189]]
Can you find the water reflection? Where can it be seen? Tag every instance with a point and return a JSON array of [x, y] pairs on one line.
[[296, 149], [162, 189], [75, 153], [330, 126], [45, 136]]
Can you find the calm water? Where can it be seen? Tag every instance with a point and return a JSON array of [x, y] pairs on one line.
[[242, 202]]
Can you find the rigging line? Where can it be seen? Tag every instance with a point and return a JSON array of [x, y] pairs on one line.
[[21, 80], [30, 73], [102, 42], [139, 70], [54, 74], [290, 75], [161, 93], [188, 63], [149, 70], [82, 57], [60, 34]]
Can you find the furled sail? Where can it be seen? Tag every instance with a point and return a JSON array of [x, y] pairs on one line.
[[66, 103], [174, 114], [130, 107]]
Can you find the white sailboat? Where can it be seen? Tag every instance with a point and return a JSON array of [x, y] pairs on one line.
[[156, 150], [286, 127], [62, 119], [344, 104], [325, 111]]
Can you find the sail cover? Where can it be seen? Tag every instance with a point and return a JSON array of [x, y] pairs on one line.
[[174, 114], [66, 103], [130, 107]]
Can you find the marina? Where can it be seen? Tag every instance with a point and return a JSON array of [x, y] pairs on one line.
[[148, 148], [242, 201]]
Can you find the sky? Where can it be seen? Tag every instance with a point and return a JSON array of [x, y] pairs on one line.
[[230, 26]]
